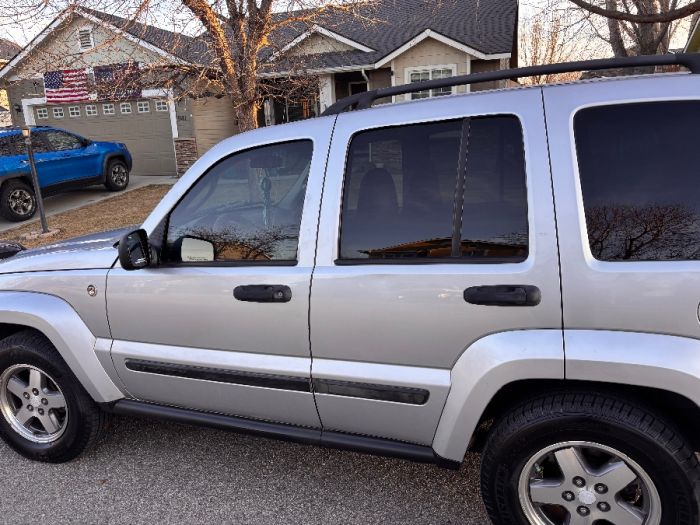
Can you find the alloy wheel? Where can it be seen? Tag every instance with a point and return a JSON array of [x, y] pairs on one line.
[[583, 483], [33, 404], [21, 201], [119, 175]]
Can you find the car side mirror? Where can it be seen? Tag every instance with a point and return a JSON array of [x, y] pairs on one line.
[[134, 250], [193, 249]]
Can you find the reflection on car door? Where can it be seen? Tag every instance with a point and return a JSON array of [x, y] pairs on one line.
[[207, 329]]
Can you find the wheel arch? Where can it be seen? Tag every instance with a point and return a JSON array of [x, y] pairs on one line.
[[485, 368], [114, 155], [59, 323], [678, 409]]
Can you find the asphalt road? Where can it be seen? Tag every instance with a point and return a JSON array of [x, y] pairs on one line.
[[155, 472]]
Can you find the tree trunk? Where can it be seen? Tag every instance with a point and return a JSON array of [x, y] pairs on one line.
[[246, 116]]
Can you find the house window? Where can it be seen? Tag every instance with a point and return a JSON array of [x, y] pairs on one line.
[[143, 106], [161, 105], [91, 110], [85, 39], [42, 113], [74, 111], [108, 109], [431, 73], [125, 108], [57, 112]]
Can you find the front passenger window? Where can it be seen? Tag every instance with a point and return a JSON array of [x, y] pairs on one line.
[[248, 207]]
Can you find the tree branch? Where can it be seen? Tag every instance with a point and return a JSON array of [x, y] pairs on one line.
[[641, 18]]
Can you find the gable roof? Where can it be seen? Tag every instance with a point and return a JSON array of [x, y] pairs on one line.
[[485, 29], [8, 49]]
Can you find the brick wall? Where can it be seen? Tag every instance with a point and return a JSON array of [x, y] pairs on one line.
[[185, 154]]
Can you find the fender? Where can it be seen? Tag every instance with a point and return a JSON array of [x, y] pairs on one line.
[[114, 155], [57, 320], [665, 362], [483, 369]]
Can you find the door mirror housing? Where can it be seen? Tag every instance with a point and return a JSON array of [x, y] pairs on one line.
[[134, 250]]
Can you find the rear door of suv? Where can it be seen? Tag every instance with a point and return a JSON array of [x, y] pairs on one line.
[[437, 229], [626, 161]]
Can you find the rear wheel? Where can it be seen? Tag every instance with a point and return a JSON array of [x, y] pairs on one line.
[[17, 201], [45, 414], [588, 459], [117, 176]]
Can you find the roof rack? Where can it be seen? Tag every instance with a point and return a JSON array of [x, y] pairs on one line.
[[365, 100]]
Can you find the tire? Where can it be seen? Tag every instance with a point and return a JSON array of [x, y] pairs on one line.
[[76, 427], [117, 175], [17, 201], [527, 446]]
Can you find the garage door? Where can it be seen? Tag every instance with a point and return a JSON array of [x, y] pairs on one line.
[[214, 121], [144, 126]]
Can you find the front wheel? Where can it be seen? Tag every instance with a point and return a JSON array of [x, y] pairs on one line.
[[17, 201], [45, 414], [588, 459], [117, 176]]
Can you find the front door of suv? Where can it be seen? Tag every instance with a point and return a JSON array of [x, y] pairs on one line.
[[191, 332], [423, 203]]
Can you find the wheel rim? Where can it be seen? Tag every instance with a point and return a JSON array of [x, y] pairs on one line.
[[33, 404], [584, 483], [119, 175], [21, 201]]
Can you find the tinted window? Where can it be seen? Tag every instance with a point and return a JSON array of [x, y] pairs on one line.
[[403, 185], [640, 166], [248, 206], [11, 145], [60, 141]]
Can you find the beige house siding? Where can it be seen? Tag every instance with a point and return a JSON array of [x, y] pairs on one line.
[[378, 79], [61, 50], [318, 43], [214, 121], [431, 53], [482, 66]]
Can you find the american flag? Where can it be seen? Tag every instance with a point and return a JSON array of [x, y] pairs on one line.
[[118, 81], [69, 85]]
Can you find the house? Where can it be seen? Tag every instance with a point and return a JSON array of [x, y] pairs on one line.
[[693, 45], [166, 129]]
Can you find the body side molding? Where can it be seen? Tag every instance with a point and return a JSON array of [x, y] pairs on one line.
[[60, 323], [482, 370]]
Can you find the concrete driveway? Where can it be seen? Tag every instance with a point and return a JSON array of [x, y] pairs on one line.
[[77, 198], [158, 472]]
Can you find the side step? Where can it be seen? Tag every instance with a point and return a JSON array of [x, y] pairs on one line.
[[363, 444]]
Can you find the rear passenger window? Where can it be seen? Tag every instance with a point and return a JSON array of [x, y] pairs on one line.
[[639, 167], [410, 196]]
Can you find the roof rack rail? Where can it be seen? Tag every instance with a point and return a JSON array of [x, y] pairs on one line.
[[365, 100]]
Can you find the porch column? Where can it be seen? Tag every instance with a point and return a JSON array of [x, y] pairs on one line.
[[326, 96]]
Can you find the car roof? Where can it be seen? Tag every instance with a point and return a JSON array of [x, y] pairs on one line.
[[15, 130]]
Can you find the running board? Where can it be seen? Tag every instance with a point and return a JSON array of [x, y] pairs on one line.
[[339, 440]]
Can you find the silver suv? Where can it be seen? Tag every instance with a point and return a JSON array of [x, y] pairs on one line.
[[513, 272]]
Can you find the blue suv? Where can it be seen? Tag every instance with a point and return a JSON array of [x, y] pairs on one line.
[[64, 161]]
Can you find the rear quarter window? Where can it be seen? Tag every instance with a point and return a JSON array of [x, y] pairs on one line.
[[639, 167]]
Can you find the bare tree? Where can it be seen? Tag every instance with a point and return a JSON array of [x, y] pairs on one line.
[[654, 232], [231, 43], [637, 27], [549, 36]]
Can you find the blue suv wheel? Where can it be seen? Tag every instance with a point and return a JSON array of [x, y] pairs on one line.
[[17, 201]]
